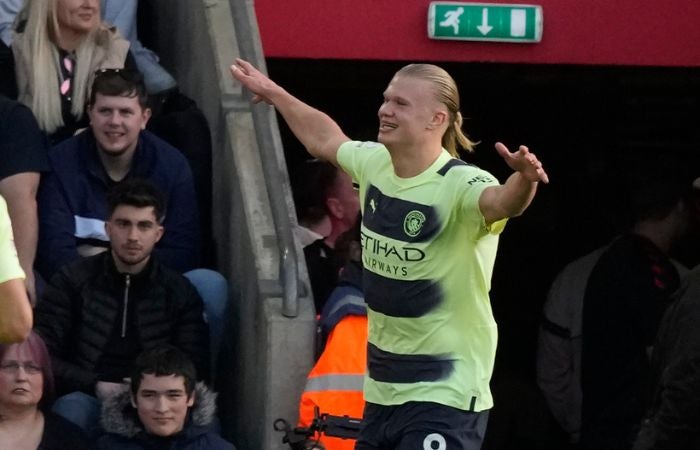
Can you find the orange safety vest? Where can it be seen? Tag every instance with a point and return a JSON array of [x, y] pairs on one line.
[[335, 383]]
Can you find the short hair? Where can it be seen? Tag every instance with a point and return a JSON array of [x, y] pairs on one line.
[[347, 246], [139, 193], [312, 182], [119, 83], [163, 361], [654, 186], [37, 348]]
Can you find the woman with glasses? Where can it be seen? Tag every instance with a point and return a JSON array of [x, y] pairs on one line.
[[26, 392], [57, 46]]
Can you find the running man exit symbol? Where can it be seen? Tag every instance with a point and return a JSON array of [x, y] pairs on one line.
[[485, 22], [452, 19]]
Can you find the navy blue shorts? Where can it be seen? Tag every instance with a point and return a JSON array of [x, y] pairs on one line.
[[421, 426]]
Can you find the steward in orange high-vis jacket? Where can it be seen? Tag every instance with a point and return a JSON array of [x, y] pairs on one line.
[[335, 383]]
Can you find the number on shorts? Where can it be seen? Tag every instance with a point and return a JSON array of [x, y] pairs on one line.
[[434, 438]]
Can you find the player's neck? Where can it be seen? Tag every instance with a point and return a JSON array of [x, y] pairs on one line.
[[411, 161]]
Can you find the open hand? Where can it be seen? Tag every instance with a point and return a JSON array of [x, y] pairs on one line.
[[524, 162], [250, 77]]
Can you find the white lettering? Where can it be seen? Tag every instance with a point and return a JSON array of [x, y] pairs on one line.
[[434, 438]]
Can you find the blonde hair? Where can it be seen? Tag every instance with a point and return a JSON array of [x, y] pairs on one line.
[[40, 64], [446, 93]]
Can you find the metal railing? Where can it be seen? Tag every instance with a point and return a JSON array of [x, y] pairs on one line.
[[267, 134]]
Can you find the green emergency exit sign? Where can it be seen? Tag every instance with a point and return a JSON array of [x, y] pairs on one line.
[[485, 22]]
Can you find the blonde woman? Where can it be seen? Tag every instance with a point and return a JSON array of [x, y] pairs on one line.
[[57, 46]]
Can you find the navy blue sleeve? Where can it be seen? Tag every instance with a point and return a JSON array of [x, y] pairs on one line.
[[23, 147], [57, 243], [179, 249]]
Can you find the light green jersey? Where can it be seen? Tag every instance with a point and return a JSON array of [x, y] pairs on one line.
[[428, 258]]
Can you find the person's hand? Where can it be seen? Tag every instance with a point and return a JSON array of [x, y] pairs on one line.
[[524, 162], [107, 389], [250, 77]]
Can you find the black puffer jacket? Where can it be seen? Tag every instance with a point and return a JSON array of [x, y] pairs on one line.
[[82, 304]]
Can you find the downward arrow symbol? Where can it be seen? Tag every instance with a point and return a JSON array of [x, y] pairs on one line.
[[484, 28]]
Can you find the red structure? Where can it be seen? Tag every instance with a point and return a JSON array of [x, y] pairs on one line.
[[600, 32]]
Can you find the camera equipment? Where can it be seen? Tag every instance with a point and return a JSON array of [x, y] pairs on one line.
[[302, 438]]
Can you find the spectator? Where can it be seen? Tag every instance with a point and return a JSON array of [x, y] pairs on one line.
[[334, 385], [176, 119], [164, 410], [58, 45], [26, 392], [8, 13], [100, 312], [627, 292], [22, 159], [15, 309], [121, 14], [72, 206], [116, 148], [671, 422], [560, 342], [327, 206]]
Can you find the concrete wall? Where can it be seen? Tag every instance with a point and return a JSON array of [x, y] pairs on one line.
[[265, 356]]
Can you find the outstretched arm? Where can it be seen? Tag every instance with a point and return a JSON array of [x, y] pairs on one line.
[[512, 198], [315, 130], [19, 191], [15, 309]]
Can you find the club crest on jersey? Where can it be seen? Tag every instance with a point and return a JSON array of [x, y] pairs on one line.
[[413, 223]]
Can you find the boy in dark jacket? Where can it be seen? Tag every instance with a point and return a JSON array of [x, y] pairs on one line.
[[164, 410]]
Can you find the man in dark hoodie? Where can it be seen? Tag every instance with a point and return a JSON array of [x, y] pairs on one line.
[[165, 409]]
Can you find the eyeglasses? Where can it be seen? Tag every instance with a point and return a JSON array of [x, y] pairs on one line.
[[12, 367], [128, 75]]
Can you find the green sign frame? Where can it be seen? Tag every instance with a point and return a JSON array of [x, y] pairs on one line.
[[491, 22]]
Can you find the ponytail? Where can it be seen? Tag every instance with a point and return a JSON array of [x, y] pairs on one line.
[[455, 138]]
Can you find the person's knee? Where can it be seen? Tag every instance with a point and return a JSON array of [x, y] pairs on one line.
[[212, 287], [79, 399], [80, 408]]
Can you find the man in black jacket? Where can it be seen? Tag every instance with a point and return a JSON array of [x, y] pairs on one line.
[[672, 419], [99, 313]]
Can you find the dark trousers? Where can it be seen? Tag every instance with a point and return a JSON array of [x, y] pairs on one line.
[[421, 425]]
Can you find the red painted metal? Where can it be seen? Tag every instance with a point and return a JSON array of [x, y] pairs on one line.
[[605, 32]]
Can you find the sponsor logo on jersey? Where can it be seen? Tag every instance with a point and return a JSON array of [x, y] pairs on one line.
[[385, 249], [480, 179]]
